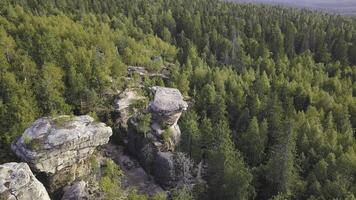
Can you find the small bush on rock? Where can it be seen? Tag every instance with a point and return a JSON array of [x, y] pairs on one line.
[[144, 122]]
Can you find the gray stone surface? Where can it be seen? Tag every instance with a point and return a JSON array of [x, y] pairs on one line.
[[77, 191], [18, 183], [164, 168], [155, 149], [52, 144], [122, 105], [167, 105]]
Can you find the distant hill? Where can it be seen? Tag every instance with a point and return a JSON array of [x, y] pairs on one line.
[[344, 7]]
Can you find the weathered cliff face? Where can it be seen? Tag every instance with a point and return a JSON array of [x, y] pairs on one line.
[[18, 183], [59, 148]]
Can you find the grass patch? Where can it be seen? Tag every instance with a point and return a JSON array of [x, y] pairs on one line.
[[110, 183], [62, 121], [167, 134], [144, 123], [33, 144]]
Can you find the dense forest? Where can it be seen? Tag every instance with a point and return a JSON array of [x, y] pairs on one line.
[[273, 88]]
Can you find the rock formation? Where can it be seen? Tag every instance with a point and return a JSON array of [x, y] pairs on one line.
[[143, 72], [122, 105], [155, 149], [18, 183], [77, 191], [166, 109], [167, 105], [59, 148]]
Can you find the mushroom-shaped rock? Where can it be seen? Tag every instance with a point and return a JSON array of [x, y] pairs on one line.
[[167, 105], [52, 144], [18, 183]]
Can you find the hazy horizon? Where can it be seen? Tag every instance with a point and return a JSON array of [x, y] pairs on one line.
[[346, 7]]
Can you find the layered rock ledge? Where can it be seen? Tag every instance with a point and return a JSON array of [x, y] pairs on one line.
[[59, 148], [18, 183], [167, 105]]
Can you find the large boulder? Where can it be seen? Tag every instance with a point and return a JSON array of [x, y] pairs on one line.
[[167, 106], [77, 191], [59, 148], [18, 183], [164, 168]]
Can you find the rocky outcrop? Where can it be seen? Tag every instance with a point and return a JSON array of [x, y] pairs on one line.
[[77, 191], [141, 71], [18, 183], [167, 106], [122, 104], [59, 148], [164, 168], [155, 149]]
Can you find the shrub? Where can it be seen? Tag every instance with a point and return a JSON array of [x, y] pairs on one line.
[[182, 193], [33, 144], [138, 104], [183, 168], [110, 183], [135, 195], [160, 196], [167, 134], [144, 123]]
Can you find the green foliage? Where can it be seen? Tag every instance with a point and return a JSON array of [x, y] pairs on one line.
[[144, 123], [226, 166], [134, 195], [167, 134], [252, 71], [183, 193], [27, 140], [138, 105], [159, 196], [253, 142], [61, 121], [191, 136], [110, 182], [94, 165], [33, 144]]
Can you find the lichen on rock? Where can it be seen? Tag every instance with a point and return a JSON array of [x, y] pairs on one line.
[[59, 148], [18, 183]]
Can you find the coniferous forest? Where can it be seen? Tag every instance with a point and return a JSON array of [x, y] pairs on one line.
[[272, 89]]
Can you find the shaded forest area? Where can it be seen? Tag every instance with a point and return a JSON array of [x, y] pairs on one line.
[[274, 88]]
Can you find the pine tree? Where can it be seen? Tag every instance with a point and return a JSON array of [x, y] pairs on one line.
[[282, 170], [252, 143], [229, 178]]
